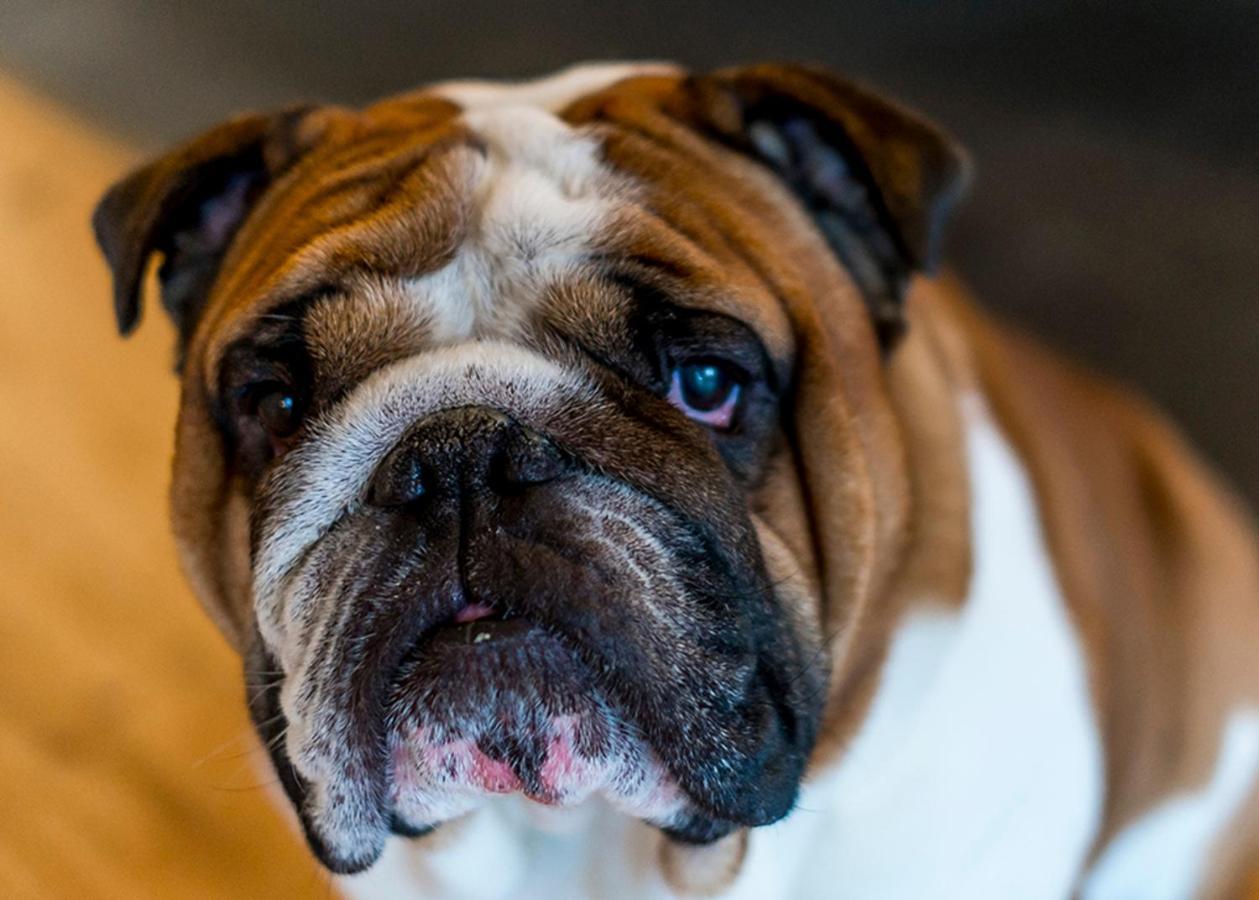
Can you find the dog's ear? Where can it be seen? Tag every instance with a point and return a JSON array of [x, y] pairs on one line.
[[187, 205], [879, 180]]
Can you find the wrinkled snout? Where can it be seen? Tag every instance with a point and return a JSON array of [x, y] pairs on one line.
[[471, 585]]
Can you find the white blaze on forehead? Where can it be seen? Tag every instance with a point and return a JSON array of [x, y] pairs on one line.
[[539, 198], [553, 92]]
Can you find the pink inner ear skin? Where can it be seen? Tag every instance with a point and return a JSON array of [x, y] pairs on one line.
[[221, 215], [719, 418]]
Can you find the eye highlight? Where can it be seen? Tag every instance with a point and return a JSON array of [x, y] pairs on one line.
[[275, 408], [709, 391], [277, 411]]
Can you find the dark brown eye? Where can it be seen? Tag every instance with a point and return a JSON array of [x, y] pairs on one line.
[[277, 410]]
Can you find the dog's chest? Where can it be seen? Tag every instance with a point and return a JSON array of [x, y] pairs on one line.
[[513, 849], [978, 772]]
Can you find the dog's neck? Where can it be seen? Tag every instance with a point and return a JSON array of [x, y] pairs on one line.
[[980, 752]]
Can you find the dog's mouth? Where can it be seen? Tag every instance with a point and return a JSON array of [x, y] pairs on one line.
[[473, 624], [585, 663], [492, 703]]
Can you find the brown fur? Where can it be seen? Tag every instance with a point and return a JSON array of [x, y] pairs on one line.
[[868, 489]]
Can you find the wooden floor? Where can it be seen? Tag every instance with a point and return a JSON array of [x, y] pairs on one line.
[[126, 767]]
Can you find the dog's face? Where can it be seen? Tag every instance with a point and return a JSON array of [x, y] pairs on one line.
[[502, 414]]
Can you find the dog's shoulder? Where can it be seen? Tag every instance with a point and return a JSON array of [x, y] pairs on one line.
[[1158, 563]]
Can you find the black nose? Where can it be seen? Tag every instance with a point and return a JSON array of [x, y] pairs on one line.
[[468, 449]]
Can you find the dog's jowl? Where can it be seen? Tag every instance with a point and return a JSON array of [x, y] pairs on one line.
[[606, 498]]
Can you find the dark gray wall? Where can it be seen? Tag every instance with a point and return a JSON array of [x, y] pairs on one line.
[[1116, 211]]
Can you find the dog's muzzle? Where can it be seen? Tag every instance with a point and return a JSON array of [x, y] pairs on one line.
[[493, 607]]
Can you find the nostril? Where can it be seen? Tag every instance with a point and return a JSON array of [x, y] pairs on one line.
[[531, 460], [398, 481], [464, 449]]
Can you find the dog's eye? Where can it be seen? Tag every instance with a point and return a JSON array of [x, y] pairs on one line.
[[276, 407], [707, 390]]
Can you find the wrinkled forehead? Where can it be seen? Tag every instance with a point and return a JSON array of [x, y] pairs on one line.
[[470, 210]]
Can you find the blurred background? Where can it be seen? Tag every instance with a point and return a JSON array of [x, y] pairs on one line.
[[1115, 213]]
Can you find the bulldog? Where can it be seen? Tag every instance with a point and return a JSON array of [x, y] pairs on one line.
[[605, 501]]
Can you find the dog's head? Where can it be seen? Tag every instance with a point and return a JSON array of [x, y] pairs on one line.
[[532, 438]]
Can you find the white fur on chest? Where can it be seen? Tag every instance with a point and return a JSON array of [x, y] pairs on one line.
[[978, 773], [1164, 855]]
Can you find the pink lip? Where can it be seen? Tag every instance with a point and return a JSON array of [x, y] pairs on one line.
[[492, 775], [472, 612]]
